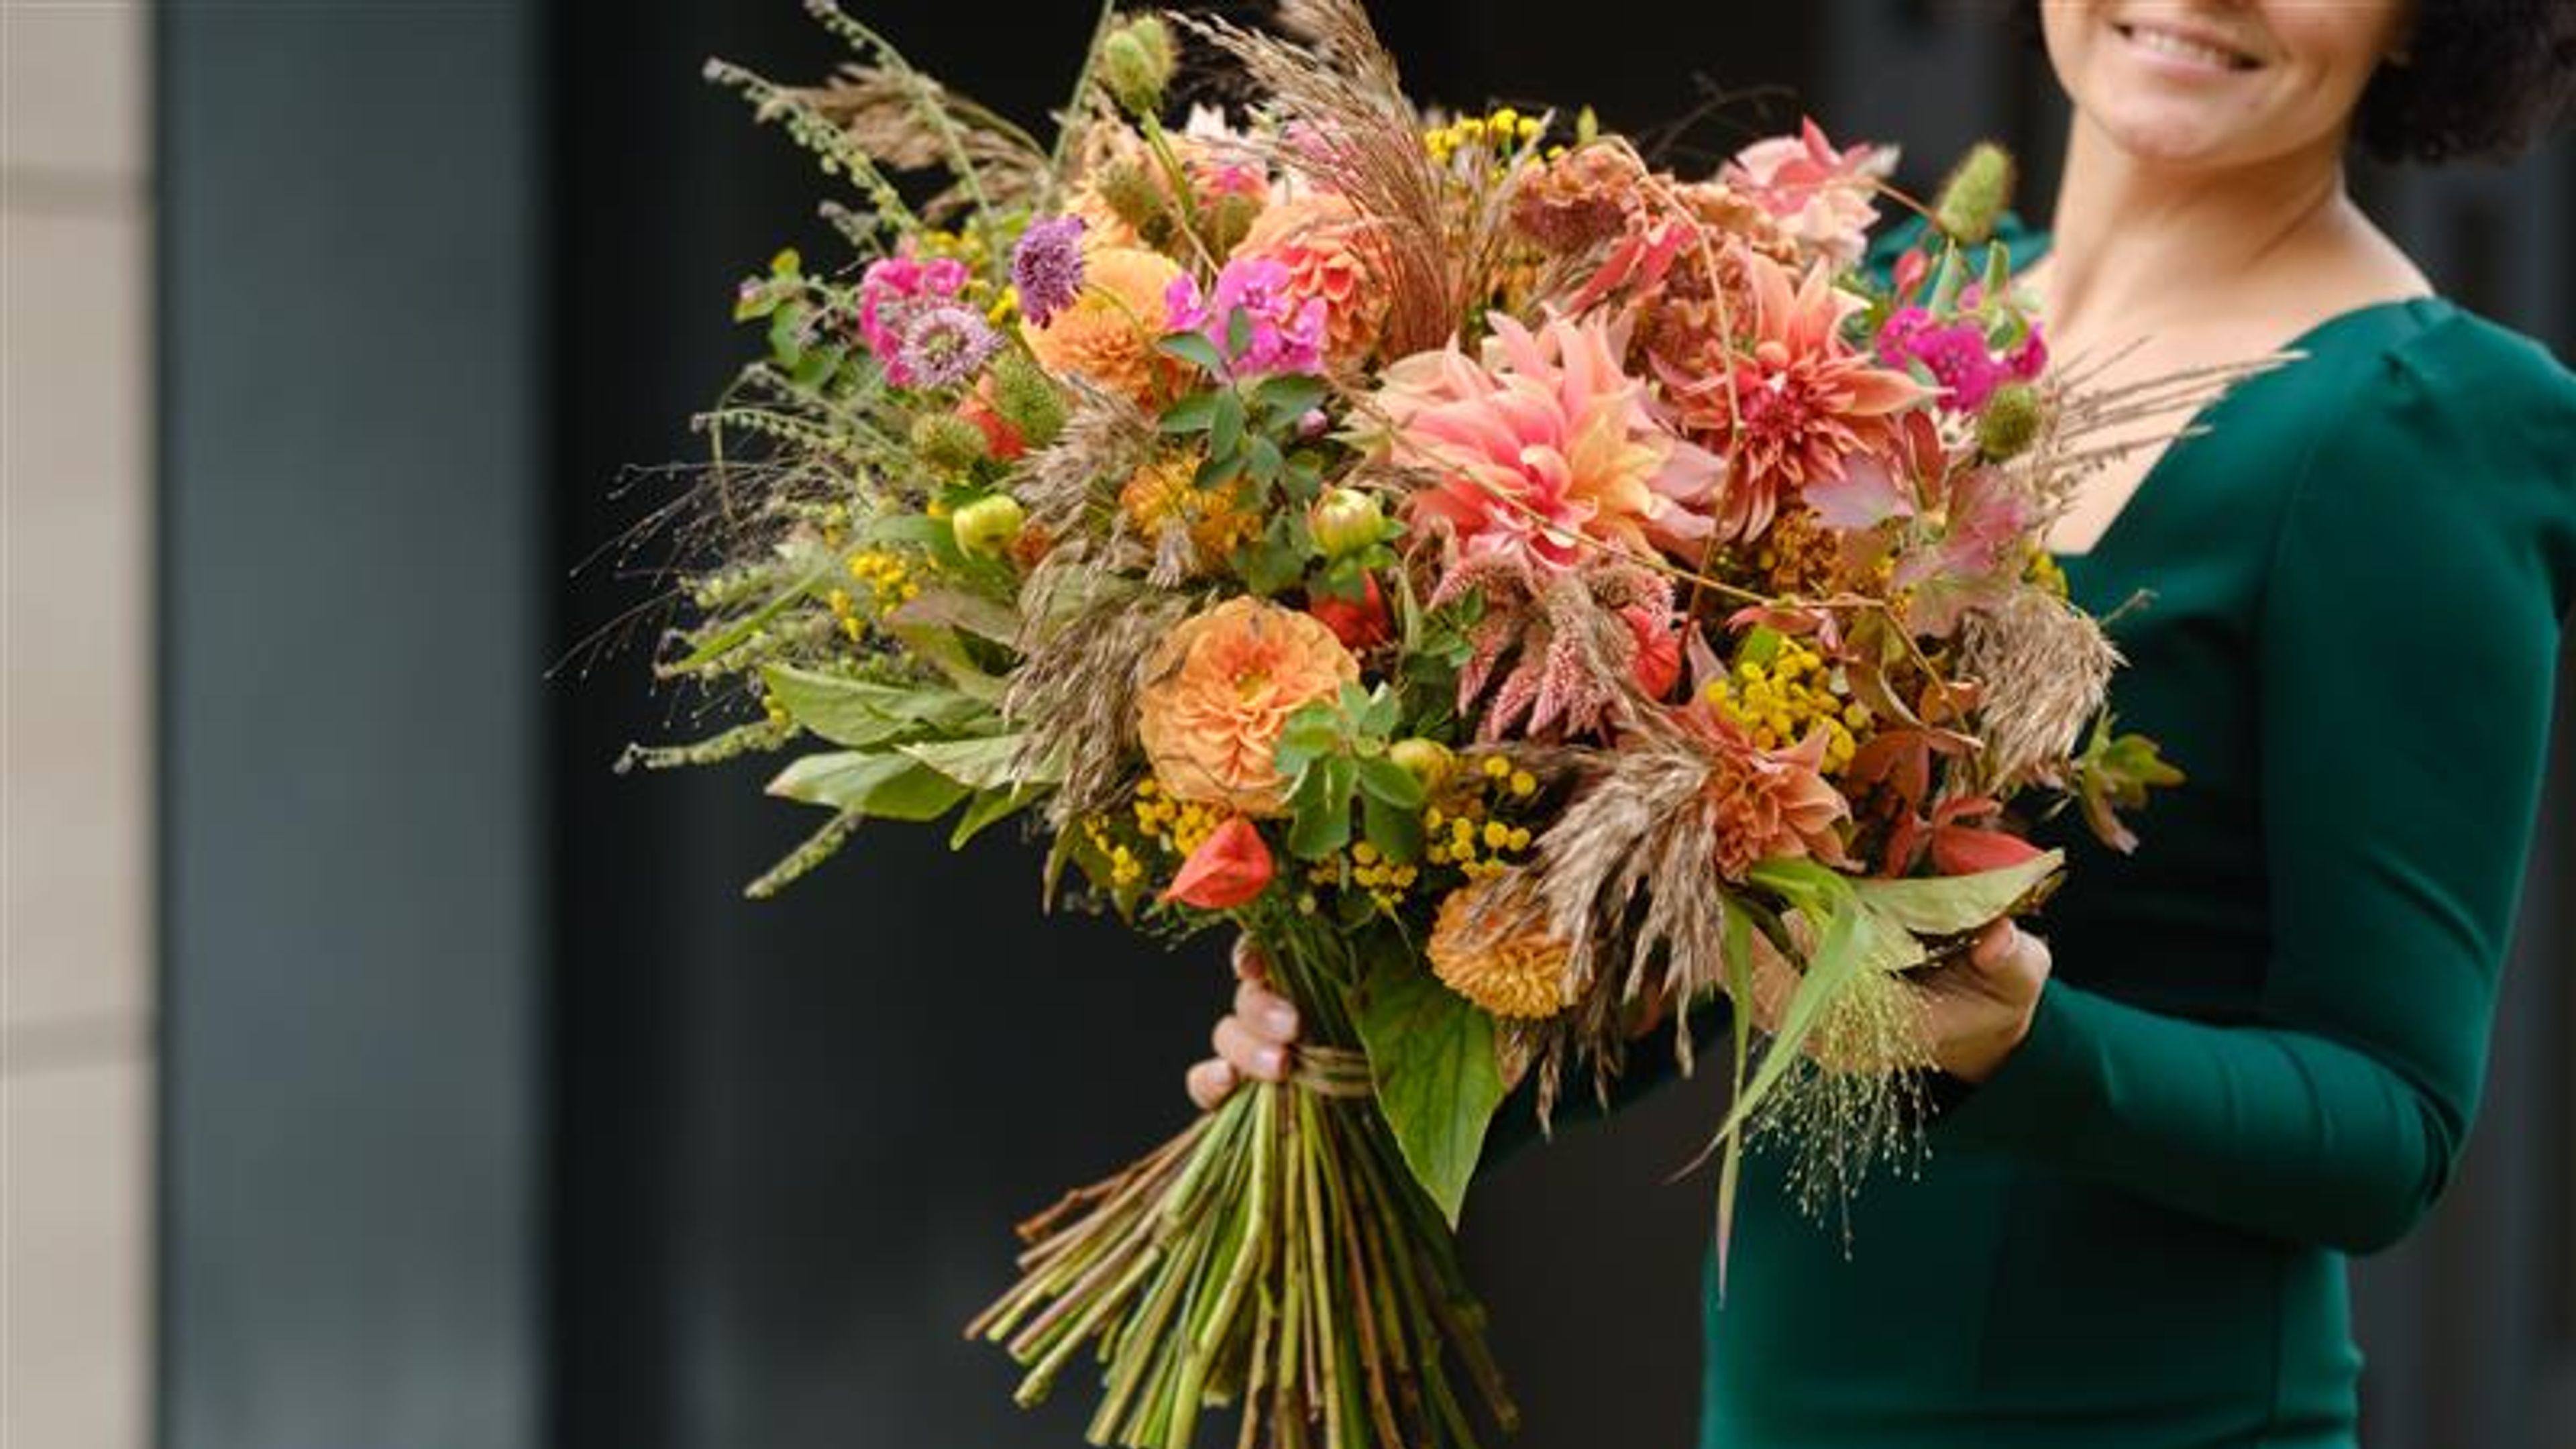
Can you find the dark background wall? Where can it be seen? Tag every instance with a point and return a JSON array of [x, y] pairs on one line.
[[616, 1160]]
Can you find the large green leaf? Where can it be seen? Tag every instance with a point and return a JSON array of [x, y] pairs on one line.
[[983, 764], [1949, 905], [987, 809], [890, 786], [1431, 1055], [863, 714]]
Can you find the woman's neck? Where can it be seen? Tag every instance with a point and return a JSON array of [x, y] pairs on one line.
[[2129, 234]]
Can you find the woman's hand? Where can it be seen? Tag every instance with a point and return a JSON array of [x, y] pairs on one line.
[[1252, 1042], [1975, 1011]]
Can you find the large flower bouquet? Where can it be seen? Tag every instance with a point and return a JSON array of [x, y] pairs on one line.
[[1528, 591]]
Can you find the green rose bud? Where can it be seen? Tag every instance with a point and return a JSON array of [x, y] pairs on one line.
[[1428, 761], [1974, 197], [948, 442], [2011, 421], [1345, 521], [988, 525]]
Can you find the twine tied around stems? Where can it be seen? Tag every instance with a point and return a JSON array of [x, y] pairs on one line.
[[1332, 1072]]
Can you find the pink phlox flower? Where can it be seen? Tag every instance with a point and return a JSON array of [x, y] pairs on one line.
[[1286, 332]]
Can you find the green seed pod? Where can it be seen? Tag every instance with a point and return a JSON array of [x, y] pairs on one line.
[[1428, 761], [1974, 197], [1230, 221], [2011, 421], [1136, 64], [988, 525], [1027, 399], [1132, 193], [948, 442]]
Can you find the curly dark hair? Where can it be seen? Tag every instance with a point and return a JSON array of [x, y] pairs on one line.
[[2482, 80]]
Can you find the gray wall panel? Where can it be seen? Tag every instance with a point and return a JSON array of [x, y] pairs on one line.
[[353, 901]]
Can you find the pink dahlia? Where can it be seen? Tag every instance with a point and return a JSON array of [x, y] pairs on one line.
[[1545, 444], [1803, 404], [1820, 196]]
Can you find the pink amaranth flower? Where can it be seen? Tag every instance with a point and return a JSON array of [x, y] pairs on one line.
[[1286, 331], [892, 292], [1801, 407], [945, 345], [1047, 268], [1820, 196], [1545, 444]]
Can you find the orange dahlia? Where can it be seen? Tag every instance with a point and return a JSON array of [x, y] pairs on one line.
[[1218, 691], [1515, 970], [1800, 404], [1108, 334]]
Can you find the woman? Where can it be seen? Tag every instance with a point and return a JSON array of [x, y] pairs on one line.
[[2265, 1045]]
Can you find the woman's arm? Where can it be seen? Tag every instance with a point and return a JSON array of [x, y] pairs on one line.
[[2408, 643]]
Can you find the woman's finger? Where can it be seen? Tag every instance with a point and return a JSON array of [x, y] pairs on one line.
[[1266, 1013], [1250, 1055], [1209, 1082]]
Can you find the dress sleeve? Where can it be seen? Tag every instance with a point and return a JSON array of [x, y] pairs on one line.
[[2408, 639]]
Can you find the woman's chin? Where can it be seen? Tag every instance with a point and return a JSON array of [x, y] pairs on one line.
[[2171, 135]]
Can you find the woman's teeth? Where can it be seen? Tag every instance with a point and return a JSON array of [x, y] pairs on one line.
[[2165, 42]]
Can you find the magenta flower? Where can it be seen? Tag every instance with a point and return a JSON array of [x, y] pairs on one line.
[[1047, 268], [1287, 333], [1957, 356], [895, 290]]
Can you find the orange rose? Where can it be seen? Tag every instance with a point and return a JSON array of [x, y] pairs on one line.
[[1220, 688]]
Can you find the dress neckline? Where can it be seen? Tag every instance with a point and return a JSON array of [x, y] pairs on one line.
[[2298, 349]]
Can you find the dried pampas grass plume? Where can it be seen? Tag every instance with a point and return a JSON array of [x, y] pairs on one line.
[[2043, 668], [1346, 125]]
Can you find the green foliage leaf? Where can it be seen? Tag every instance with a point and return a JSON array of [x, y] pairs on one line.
[[1289, 397], [1948, 905], [1191, 414], [981, 764], [1225, 423], [1193, 348], [1843, 948], [862, 714], [1394, 830], [888, 785], [989, 808], [1431, 1056], [1389, 783]]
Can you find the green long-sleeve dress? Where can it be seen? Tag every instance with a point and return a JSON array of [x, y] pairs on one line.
[[2262, 1045]]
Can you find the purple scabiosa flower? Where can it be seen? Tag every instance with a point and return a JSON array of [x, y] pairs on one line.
[[1047, 268], [942, 347]]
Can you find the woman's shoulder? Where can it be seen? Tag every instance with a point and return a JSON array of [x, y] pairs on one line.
[[2437, 428], [2429, 372]]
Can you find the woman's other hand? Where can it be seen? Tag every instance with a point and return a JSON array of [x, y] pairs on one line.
[[1254, 1041]]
